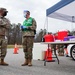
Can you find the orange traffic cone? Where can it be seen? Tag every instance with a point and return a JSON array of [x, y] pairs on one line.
[[48, 55], [16, 49]]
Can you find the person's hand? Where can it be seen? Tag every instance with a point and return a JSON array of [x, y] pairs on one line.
[[23, 27]]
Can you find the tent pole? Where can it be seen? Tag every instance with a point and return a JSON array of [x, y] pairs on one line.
[[47, 24], [72, 23]]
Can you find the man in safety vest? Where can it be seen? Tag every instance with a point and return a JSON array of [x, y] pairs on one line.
[[28, 33]]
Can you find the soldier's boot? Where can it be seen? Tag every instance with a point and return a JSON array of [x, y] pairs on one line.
[[25, 63], [29, 62], [3, 63]]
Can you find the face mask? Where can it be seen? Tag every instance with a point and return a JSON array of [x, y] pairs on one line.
[[25, 14], [4, 14]]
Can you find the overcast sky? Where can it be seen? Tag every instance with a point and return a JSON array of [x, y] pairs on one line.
[[38, 11]]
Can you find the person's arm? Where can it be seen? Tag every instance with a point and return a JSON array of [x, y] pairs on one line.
[[2, 23], [5, 23], [34, 25]]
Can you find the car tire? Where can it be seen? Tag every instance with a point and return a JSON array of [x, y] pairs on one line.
[[72, 52]]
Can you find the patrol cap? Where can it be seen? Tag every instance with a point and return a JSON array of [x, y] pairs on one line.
[[3, 9]]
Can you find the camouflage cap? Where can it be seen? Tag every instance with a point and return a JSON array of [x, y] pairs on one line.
[[3, 9]]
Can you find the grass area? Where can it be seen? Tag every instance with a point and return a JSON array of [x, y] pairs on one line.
[[12, 46]]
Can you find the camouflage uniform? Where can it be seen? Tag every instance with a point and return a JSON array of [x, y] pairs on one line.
[[28, 39], [60, 50], [4, 26]]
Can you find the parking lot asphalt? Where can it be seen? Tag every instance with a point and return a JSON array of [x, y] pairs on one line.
[[66, 66]]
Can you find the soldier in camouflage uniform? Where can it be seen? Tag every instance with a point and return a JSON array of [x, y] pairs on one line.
[[4, 26], [28, 31]]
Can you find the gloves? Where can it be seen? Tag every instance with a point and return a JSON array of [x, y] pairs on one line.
[[23, 27]]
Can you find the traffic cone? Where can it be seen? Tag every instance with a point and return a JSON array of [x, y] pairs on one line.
[[48, 55], [15, 49]]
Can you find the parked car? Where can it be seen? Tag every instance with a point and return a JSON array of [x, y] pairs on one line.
[[71, 51]]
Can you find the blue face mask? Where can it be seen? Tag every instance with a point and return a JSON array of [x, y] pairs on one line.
[[25, 13]]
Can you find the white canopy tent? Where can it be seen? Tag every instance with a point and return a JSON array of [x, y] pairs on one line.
[[63, 10]]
